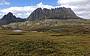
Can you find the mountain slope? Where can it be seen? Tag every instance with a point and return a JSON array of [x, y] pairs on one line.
[[10, 18], [57, 13]]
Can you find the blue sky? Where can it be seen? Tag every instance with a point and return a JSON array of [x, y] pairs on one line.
[[23, 8], [28, 3], [32, 2], [15, 6]]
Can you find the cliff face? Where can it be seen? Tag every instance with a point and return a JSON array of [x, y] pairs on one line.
[[57, 13], [10, 18]]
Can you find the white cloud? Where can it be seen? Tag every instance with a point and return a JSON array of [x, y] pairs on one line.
[[19, 11], [24, 11], [44, 6], [81, 7], [4, 2]]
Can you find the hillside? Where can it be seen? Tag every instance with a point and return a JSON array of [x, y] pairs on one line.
[[53, 25]]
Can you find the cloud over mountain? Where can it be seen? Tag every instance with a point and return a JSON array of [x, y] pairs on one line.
[[81, 7], [25, 10]]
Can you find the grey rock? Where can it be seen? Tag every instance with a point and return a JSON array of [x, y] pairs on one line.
[[57, 13]]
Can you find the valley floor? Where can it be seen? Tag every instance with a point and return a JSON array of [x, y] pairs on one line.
[[43, 44]]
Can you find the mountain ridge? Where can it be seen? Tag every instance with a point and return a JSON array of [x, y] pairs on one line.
[[61, 13], [10, 18], [57, 13]]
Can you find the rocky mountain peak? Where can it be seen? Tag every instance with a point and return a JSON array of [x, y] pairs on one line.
[[10, 13], [10, 18], [56, 13]]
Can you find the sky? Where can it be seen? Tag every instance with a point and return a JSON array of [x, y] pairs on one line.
[[23, 8]]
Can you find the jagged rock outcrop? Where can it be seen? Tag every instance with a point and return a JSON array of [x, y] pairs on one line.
[[57, 13], [10, 18]]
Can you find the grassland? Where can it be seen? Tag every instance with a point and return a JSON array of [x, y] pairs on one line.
[[43, 44], [47, 38]]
